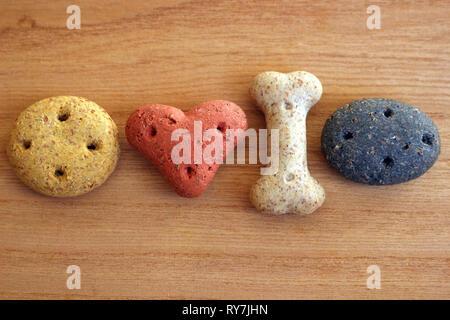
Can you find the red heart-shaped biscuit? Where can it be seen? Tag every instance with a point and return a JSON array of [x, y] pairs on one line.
[[149, 130]]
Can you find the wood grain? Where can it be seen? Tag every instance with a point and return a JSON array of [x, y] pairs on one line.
[[135, 238]]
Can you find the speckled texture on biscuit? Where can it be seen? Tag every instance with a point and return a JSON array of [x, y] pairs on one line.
[[380, 141], [64, 146], [149, 130], [285, 100]]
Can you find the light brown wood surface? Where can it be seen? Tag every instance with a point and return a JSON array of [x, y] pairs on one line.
[[135, 238]]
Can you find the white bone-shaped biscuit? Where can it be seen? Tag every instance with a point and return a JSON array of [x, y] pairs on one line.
[[285, 100]]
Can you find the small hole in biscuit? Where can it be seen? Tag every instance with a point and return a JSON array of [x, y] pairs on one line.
[[427, 138], [222, 127], [152, 131], [27, 144], [289, 177], [59, 172], [348, 135], [288, 106], [94, 145], [388, 162], [63, 116], [189, 172], [388, 113]]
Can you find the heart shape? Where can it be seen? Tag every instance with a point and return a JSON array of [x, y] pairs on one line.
[[149, 130]]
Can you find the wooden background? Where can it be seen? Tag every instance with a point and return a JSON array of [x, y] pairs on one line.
[[135, 238]]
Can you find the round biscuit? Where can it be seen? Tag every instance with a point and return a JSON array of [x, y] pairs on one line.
[[64, 146]]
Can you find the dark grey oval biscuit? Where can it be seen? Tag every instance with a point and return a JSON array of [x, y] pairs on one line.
[[64, 146], [380, 141]]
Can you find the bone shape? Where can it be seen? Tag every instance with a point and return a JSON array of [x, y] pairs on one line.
[[285, 100]]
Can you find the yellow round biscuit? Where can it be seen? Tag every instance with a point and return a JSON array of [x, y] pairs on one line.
[[64, 146]]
